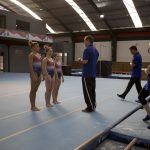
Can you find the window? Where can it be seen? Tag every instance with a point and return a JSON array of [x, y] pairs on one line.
[[22, 25]]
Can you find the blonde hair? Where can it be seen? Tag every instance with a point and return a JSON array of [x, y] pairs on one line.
[[32, 44]]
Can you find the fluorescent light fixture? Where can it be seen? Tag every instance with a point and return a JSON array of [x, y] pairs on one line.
[[2, 8], [49, 28], [26, 9], [82, 14], [133, 13], [31, 13]]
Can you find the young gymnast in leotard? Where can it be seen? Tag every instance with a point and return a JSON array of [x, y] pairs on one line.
[[58, 77], [34, 60], [48, 70]]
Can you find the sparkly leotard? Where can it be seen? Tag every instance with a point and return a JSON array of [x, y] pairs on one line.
[[58, 69], [50, 67], [37, 64]]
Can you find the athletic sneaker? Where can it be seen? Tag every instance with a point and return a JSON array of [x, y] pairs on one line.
[[87, 110], [121, 96], [146, 118], [138, 101]]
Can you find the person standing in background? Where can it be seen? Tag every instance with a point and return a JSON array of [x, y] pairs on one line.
[[144, 94], [89, 61], [136, 66]]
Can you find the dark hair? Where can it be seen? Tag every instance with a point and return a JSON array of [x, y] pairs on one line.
[[43, 54], [89, 38], [47, 48], [133, 47], [32, 44]]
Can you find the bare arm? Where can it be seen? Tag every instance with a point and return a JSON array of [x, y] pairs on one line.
[[132, 65], [30, 60], [81, 61], [146, 70], [44, 68], [62, 75], [56, 75]]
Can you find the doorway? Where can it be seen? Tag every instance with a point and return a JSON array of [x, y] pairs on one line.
[[2, 61]]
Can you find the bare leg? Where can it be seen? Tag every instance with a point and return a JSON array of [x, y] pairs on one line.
[[34, 88], [49, 88], [56, 89]]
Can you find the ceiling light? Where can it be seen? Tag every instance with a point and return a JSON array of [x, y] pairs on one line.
[[31, 13], [82, 14], [2, 8], [101, 16], [26, 9], [49, 28], [133, 13]]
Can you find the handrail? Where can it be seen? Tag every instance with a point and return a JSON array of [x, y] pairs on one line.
[[85, 145], [131, 144]]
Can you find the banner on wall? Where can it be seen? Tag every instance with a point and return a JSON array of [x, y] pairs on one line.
[[25, 35]]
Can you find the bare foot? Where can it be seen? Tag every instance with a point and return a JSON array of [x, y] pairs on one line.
[[57, 102], [35, 109], [49, 105]]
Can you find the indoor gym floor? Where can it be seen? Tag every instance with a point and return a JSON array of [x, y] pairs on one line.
[[63, 127]]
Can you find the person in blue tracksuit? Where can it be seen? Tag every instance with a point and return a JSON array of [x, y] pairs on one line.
[[136, 72], [89, 61], [144, 94]]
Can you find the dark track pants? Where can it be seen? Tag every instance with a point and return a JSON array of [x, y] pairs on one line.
[[137, 82], [142, 96], [89, 85]]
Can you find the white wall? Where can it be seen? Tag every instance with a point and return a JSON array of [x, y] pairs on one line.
[[123, 52], [104, 49]]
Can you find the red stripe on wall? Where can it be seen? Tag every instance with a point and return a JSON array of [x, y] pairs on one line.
[[98, 36], [133, 34]]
